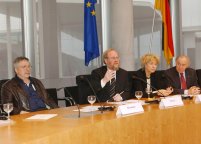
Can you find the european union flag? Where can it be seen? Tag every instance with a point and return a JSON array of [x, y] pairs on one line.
[[91, 46]]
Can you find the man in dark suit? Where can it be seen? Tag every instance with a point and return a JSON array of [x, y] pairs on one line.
[[182, 78], [110, 81]]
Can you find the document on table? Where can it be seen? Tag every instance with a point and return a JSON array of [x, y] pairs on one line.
[[88, 108], [41, 117], [6, 122], [3, 122], [127, 102]]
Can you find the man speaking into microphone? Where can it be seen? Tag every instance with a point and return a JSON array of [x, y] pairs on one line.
[[110, 81]]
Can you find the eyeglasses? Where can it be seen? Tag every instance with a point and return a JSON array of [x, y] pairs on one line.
[[113, 58], [181, 65], [25, 67]]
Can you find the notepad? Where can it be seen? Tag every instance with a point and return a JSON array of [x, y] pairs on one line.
[[41, 117]]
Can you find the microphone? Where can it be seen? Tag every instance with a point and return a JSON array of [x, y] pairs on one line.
[[91, 87], [70, 99], [138, 78]]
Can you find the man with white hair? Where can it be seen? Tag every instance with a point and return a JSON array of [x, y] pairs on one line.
[[182, 78]]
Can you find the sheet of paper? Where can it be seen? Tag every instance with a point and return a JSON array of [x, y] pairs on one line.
[[88, 108], [41, 116], [6, 122], [127, 102], [3, 122]]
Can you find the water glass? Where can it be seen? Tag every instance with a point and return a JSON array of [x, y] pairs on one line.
[[8, 107], [91, 99], [138, 95]]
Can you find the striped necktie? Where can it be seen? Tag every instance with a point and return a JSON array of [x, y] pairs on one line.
[[112, 87]]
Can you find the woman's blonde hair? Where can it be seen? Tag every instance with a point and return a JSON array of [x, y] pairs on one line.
[[148, 58]]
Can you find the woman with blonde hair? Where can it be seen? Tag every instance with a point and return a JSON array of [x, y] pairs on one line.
[[149, 78]]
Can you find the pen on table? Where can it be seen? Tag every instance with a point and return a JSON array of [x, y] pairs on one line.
[[121, 92]]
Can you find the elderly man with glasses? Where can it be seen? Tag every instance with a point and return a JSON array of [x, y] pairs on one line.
[[110, 81], [25, 92]]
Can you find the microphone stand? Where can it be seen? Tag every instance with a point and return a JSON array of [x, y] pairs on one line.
[[90, 85]]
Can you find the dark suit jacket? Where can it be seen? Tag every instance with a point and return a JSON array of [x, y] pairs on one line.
[[122, 83], [174, 79], [158, 81]]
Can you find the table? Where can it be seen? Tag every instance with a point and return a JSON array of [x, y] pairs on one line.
[[178, 125]]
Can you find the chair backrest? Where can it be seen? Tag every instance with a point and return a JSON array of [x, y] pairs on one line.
[[52, 92], [131, 74], [1, 84], [198, 71], [73, 91], [84, 89]]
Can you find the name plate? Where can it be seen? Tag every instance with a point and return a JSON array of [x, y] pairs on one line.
[[171, 101], [129, 109], [198, 99]]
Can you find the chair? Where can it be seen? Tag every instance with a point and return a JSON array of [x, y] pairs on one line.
[[72, 93], [1, 84], [130, 75], [52, 92], [198, 72], [84, 89]]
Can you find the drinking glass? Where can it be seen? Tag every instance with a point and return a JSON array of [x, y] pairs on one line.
[[138, 95], [148, 91], [8, 107], [91, 99]]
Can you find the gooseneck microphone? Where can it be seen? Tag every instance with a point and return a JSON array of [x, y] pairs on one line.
[[91, 87], [138, 78], [70, 99]]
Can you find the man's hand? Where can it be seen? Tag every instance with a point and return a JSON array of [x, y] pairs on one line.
[[194, 90], [108, 76], [165, 92], [117, 97]]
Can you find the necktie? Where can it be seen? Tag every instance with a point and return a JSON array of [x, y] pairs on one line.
[[112, 87], [183, 81]]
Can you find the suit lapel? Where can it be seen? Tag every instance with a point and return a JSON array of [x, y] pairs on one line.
[[118, 80], [177, 79], [187, 78]]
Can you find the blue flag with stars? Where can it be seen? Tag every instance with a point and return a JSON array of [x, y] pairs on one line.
[[91, 46]]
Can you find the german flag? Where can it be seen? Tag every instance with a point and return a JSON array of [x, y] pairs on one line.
[[168, 47]]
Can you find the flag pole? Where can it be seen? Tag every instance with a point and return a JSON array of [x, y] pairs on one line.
[[152, 31]]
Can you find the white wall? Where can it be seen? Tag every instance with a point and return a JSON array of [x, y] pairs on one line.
[[191, 24], [191, 13]]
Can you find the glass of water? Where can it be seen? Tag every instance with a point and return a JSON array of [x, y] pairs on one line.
[[91, 99], [138, 95], [8, 107]]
